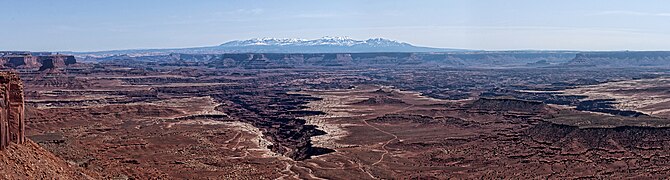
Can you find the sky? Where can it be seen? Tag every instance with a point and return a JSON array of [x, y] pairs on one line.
[[94, 25]]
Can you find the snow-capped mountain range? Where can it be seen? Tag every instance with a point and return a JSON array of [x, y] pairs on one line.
[[324, 45], [327, 41], [283, 45]]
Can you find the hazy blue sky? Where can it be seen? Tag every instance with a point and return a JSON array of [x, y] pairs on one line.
[[84, 25]]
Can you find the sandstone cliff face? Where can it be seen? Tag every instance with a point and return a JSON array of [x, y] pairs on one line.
[[12, 125]]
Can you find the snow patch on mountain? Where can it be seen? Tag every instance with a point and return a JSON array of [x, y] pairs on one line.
[[324, 41]]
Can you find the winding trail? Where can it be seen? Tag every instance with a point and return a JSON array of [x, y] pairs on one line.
[[386, 151], [288, 172]]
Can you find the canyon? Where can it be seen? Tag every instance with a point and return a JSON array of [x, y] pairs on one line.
[[316, 90], [349, 115]]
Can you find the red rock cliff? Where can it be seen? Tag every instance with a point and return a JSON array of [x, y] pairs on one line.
[[28, 60], [20, 61], [12, 125], [55, 61]]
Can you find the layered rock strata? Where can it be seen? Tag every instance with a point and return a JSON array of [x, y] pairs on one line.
[[28, 60], [12, 125]]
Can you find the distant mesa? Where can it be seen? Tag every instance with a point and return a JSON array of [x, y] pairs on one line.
[[56, 61], [268, 55], [387, 59], [343, 51], [539, 63], [33, 60], [621, 59]]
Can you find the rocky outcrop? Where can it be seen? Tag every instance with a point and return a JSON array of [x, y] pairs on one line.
[[12, 125]]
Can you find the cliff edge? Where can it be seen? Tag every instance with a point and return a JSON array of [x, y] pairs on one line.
[[21, 158]]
